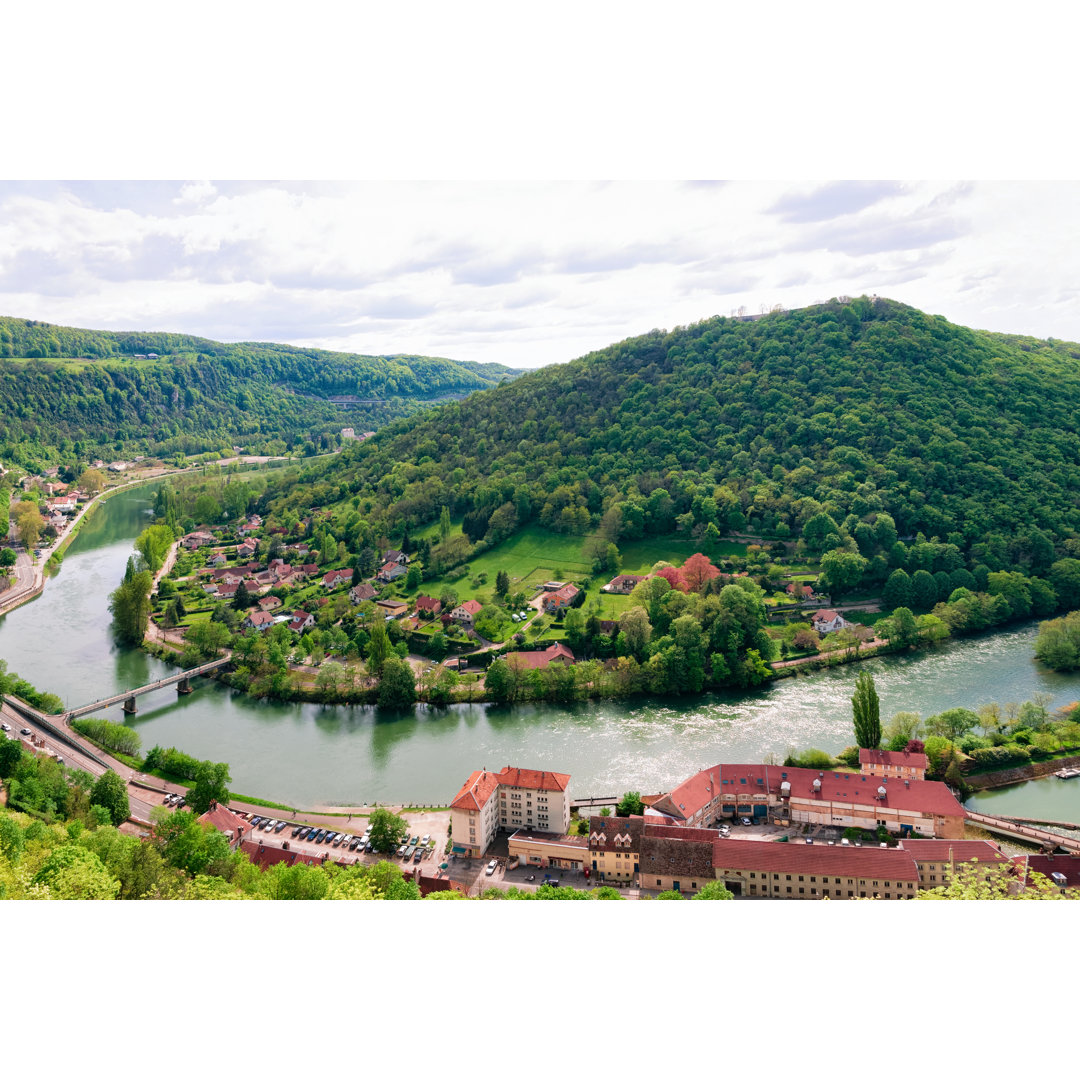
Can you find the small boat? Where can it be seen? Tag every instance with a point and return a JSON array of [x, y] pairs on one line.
[[1067, 774]]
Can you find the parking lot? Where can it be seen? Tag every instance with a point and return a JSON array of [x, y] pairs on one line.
[[324, 842]]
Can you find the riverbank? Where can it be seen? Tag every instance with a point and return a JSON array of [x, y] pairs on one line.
[[1006, 777]]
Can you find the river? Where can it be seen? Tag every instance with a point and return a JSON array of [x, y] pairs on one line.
[[307, 755]]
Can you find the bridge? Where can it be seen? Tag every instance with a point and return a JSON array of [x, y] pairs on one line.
[[182, 681], [1013, 830]]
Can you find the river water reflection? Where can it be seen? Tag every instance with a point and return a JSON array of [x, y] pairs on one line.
[[307, 754]]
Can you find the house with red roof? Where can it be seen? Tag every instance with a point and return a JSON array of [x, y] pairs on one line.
[[333, 578], [259, 620], [390, 571], [301, 621], [558, 654], [624, 584], [233, 826], [428, 604], [561, 599], [898, 764], [464, 614], [359, 593], [826, 621]]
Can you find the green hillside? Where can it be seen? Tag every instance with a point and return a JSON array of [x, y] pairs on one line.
[[70, 393], [868, 421]]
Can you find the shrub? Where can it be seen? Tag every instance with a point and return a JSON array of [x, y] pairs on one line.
[[992, 757]]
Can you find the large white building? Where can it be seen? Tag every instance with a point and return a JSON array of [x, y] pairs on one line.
[[511, 799]]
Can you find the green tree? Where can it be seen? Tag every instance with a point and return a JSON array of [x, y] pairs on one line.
[[130, 603], [11, 753], [397, 684], [629, 804], [241, 598], [8, 557], [387, 830], [715, 890], [866, 710], [212, 781], [110, 791], [841, 571], [444, 523], [897, 591], [153, 545], [73, 873], [901, 729], [499, 681], [502, 583], [413, 578], [923, 590]]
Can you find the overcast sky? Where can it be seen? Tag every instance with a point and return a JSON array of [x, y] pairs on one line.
[[526, 274]]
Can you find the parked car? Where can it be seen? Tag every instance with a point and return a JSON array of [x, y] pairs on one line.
[[809, 839], [419, 855], [318, 836], [329, 837], [5, 727], [425, 840], [256, 821], [353, 842], [296, 831], [268, 824], [338, 839], [182, 803], [491, 867], [369, 847], [279, 826], [747, 821], [401, 850], [25, 731]]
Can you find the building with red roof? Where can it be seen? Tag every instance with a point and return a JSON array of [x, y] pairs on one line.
[[813, 872], [465, 614], [561, 599], [901, 764], [1061, 870], [234, 827], [557, 653], [841, 799], [511, 799]]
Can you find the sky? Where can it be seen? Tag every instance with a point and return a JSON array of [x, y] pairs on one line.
[[527, 273]]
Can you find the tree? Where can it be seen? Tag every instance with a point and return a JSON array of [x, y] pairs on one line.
[[952, 724], [866, 711], [92, 481], [8, 557], [634, 624], [444, 523], [153, 545], [397, 685], [629, 804], [110, 791], [901, 729], [11, 753], [715, 890], [73, 873], [502, 583], [413, 578], [29, 522], [242, 598], [130, 603], [212, 781], [499, 680], [897, 591], [387, 830], [900, 628], [841, 571], [378, 647]]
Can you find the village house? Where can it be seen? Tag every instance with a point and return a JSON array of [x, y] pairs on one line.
[[333, 578], [392, 609], [675, 858], [259, 620], [216, 558], [246, 549], [428, 604], [558, 654], [195, 540], [826, 621], [232, 826], [895, 764], [390, 571], [800, 590], [359, 593], [936, 859], [301, 621], [615, 847], [398, 557], [464, 614], [544, 850], [624, 584], [474, 817], [268, 603], [561, 599], [227, 590]]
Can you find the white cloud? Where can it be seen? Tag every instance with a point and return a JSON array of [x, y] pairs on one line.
[[525, 273]]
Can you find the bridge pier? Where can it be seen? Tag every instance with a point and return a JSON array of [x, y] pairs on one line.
[[129, 706], [183, 686]]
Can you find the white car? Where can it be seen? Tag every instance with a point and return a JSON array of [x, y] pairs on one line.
[[5, 727], [491, 868]]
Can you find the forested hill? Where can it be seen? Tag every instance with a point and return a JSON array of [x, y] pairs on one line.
[[856, 409], [60, 386]]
